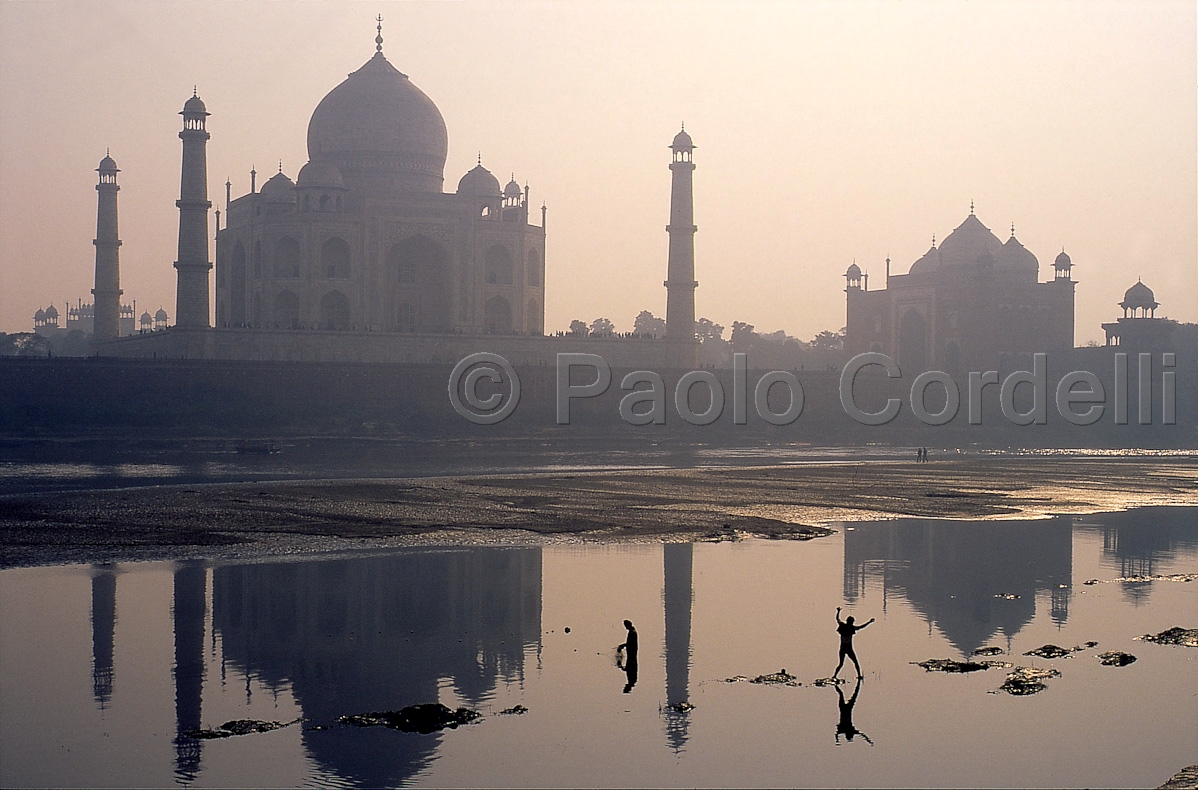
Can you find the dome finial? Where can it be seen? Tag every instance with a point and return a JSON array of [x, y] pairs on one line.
[[195, 91], [480, 158], [684, 126], [378, 40], [933, 239], [280, 165], [1012, 230], [971, 208]]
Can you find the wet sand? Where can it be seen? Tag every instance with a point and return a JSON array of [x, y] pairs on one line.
[[784, 502]]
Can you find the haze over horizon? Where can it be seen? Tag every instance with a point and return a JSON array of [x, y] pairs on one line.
[[825, 133]]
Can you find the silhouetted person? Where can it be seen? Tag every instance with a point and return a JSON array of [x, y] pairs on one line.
[[626, 656], [846, 629], [845, 725]]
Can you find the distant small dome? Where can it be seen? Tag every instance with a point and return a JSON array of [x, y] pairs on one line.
[[1139, 295], [1015, 256], [107, 165], [51, 312], [1063, 261], [194, 106], [319, 174], [146, 318], [160, 315], [512, 189], [853, 272], [682, 142], [40, 315], [278, 189], [929, 262], [479, 182]]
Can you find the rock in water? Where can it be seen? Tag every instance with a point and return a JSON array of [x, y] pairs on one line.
[[987, 651], [1052, 651], [951, 665], [1114, 658], [425, 718], [1185, 779], [779, 678], [517, 710], [237, 727], [1027, 680], [1187, 637]]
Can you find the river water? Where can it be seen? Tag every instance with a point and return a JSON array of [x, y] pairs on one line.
[[106, 668]]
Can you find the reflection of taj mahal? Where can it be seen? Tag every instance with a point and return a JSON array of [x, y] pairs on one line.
[[364, 257]]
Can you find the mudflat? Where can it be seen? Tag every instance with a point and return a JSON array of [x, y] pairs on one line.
[[717, 503]]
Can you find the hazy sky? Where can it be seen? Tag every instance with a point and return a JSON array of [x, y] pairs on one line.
[[826, 132]]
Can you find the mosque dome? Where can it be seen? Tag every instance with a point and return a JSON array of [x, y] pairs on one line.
[[160, 315], [1016, 257], [682, 142], [381, 131], [145, 318], [479, 182], [853, 272], [52, 312], [319, 174], [512, 189], [107, 165], [1139, 295], [278, 189], [194, 106], [930, 261], [1063, 261], [967, 244], [40, 315]]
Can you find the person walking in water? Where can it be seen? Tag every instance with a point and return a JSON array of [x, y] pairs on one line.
[[847, 629], [626, 656]]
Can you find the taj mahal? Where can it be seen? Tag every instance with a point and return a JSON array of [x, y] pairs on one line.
[[365, 258]]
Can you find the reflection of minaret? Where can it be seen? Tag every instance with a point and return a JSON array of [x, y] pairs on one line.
[[191, 581], [103, 625], [678, 560]]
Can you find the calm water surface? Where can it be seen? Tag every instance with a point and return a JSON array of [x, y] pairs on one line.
[[102, 669]]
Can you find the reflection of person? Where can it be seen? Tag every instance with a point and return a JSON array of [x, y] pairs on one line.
[[845, 725], [626, 656], [846, 629]]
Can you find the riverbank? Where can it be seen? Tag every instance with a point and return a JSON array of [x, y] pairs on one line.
[[782, 502]]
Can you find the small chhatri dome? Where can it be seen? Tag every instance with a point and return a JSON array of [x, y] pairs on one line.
[[1063, 261], [51, 312], [479, 182], [160, 315], [320, 174], [194, 106], [1139, 295], [40, 315], [107, 165], [512, 189], [682, 141], [145, 318], [853, 272], [277, 189]]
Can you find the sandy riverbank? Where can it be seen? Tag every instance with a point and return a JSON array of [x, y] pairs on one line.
[[791, 502]]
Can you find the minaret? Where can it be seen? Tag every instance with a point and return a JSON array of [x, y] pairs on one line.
[[107, 293], [191, 300], [680, 285]]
